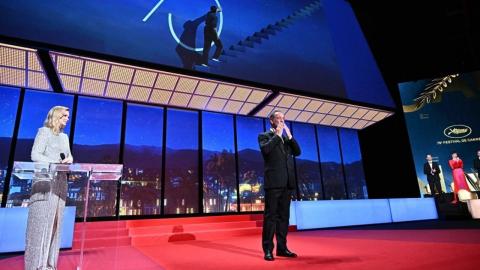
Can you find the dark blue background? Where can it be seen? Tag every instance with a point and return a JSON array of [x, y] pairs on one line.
[[324, 53]]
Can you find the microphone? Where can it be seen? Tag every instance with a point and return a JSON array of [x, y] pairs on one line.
[[62, 156]]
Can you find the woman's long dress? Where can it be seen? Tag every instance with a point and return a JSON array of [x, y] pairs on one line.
[[459, 179], [47, 202]]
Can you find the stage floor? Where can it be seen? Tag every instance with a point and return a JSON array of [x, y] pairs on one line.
[[413, 245]]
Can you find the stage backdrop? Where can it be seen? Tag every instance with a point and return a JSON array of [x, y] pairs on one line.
[[449, 123], [217, 158], [300, 53]]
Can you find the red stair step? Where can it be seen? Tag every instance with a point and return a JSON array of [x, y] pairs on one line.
[[93, 225], [101, 233], [148, 240], [192, 220], [179, 228], [102, 242], [154, 231]]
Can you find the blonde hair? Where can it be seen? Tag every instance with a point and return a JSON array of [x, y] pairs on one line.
[[53, 119]]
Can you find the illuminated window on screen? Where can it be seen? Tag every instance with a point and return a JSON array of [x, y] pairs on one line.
[[309, 180], [142, 161], [250, 164], [352, 163], [96, 140], [331, 163], [181, 162], [9, 104], [219, 169]]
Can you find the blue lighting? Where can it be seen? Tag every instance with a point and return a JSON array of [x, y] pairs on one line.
[[14, 221]]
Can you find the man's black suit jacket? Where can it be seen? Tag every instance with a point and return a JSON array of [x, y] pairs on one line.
[[476, 164], [278, 157], [427, 171]]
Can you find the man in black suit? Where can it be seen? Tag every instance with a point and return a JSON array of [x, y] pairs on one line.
[[432, 171], [476, 165], [277, 151], [476, 162]]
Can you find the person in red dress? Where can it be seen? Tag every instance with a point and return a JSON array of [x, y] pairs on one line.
[[459, 180]]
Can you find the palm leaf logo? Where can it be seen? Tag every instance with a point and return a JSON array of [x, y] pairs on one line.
[[433, 90]]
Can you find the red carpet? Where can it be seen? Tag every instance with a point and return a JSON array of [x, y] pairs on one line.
[[120, 258], [331, 249], [359, 248]]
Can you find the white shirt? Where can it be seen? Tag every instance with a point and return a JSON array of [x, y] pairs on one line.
[[273, 130]]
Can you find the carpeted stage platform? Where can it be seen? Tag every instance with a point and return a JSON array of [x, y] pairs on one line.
[[412, 245]]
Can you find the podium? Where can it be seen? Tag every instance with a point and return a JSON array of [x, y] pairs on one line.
[[43, 173]]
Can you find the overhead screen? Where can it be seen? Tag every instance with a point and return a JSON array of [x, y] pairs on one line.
[[280, 43]]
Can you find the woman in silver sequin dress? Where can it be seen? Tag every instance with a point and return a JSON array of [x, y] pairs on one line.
[[47, 202]]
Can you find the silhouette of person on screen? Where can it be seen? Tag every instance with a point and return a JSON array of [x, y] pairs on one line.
[[211, 35], [188, 57]]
